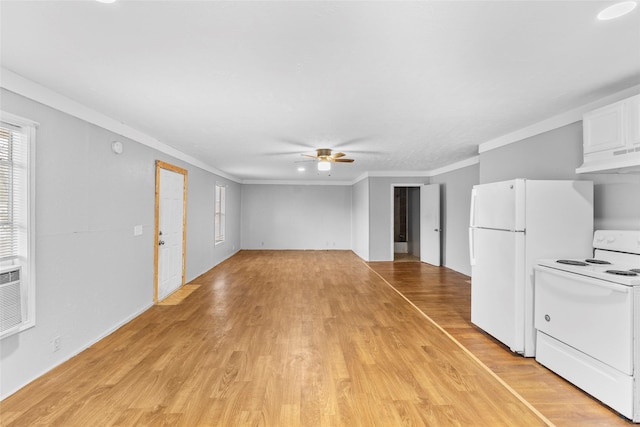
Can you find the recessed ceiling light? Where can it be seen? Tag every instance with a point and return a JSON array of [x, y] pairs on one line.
[[106, 1], [301, 169], [617, 10]]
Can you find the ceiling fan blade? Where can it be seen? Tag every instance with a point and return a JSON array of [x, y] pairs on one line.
[[336, 155], [308, 155], [344, 160]]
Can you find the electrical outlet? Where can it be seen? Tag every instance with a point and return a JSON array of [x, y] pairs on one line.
[[55, 344]]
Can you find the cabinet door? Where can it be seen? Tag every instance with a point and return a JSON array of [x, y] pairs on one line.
[[604, 128], [633, 122]]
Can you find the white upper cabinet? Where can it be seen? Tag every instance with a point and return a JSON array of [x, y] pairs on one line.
[[604, 128], [612, 138], [633, 121]]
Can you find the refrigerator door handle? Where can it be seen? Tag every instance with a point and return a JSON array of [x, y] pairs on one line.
[[472, 255], [472, 213]]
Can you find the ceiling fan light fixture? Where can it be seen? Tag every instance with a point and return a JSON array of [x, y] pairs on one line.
[[324, 165], [616, 10]]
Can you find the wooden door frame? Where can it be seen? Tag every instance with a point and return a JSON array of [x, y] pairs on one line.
[[167, 166]]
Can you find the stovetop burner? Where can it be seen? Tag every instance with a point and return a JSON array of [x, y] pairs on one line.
[[622, 272], [597, 261], [571, 262]]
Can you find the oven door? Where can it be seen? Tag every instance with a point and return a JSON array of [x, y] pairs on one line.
[[590, 315]]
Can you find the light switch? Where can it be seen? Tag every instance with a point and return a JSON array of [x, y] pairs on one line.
[[137, 230]]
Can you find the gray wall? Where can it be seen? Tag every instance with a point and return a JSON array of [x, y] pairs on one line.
[[202, 253], [551, 155], [92, 274], [296, 217], [617, 201], [455, 191], [556, 155], [360, 219]]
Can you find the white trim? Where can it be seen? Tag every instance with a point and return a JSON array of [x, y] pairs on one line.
[[555, 122], [294, 182], [22, 86], [360, 178], [17, 120], [399, 174], [391, 174], [18, 84], [455, 166], [419, 174]]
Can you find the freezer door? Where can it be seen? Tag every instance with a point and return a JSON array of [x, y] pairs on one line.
[[499, 205], [497, 285]]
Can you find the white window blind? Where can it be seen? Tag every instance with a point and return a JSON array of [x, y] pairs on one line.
[[13, 151], [220, 208]]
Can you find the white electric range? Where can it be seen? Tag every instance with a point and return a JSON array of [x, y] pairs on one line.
[[587, 320]]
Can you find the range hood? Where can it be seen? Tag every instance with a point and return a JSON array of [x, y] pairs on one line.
[[623, 163]]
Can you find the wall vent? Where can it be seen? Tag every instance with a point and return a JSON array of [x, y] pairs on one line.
[[10, 300]]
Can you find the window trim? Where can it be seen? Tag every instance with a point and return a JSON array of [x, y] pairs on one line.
[[28, 127]]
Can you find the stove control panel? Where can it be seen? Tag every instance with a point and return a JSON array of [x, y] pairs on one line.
[[617, 240]]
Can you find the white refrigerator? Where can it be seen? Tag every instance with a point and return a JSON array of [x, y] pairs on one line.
[[514, 223]]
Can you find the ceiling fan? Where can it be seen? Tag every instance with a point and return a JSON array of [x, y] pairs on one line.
[[324, 157]]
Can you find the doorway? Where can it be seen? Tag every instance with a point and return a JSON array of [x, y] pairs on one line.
[[415, 209], [406, 222], [170, 229]]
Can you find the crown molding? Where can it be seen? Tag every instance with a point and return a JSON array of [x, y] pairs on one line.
[[294, 182], [555, 122], [455, 166], [29, 89]]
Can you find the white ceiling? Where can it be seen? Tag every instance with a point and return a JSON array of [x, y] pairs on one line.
[[246, 87]]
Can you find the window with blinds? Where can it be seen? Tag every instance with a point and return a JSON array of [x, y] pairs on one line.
[[10, 143], [220, 208], [17, 287]]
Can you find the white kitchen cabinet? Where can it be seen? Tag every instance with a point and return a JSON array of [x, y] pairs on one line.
[[613, 126], [633, 121], [604, 128], [612, 138]]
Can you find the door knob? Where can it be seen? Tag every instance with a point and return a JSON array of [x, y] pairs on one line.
[[161, 242]]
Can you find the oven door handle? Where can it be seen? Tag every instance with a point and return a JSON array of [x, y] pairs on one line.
[[615, 287]]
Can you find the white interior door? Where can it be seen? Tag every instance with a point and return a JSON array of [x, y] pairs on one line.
[[171, 211], [430, 230]]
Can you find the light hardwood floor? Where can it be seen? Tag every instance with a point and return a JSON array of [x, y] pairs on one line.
[[300, 338], [445, 297]]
